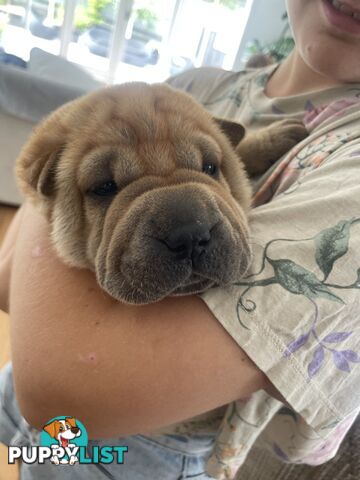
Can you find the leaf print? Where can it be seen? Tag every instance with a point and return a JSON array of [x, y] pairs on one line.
[[315, 364], [280, 453], [189, 87], [357, 283], [331, 425], [331, 244], [309, 106], [350, 356], [236, 97], [324, 292], [296, 344], [276, 110], [337, 337], [261, 79], [289, 412], [233, 95], [340, 361], [296, 279]]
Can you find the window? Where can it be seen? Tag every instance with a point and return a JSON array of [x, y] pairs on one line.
[[125, 40]]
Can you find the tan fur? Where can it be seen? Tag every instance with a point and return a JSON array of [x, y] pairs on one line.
[[152, 141]]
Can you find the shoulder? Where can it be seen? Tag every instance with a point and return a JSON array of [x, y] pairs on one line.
[[203, 82], [227, 94]]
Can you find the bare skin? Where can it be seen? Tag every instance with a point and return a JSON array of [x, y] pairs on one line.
[[295, 77], [6, 258], [324, 56]]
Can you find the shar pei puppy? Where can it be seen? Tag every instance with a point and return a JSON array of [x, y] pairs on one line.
[[144, 187]]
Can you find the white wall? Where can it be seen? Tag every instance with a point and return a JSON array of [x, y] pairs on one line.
[[264, 23]]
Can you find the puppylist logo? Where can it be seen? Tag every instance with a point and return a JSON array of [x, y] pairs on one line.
[[64, 441]]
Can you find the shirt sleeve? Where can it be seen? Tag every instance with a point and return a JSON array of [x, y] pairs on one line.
[[296, 313], [207, 83]]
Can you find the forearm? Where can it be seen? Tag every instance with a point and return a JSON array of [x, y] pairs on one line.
[[6, 256], [5, 271], [119, 369], [118, 383]]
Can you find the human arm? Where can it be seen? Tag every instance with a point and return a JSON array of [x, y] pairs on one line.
[[119, 369], [6, 256]]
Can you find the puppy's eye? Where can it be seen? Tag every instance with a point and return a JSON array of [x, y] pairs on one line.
[[210, 169], [107, 189]]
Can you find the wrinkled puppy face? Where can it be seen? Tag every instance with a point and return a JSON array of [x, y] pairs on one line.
[[141, 186]]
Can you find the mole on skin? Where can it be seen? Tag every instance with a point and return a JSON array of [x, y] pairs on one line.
[[88, 358]]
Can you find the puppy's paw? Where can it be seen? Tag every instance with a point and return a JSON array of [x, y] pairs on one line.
[[259, 150], [285, 134]]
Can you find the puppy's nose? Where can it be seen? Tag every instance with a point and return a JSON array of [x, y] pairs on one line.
[[75, 429], [188, 241]]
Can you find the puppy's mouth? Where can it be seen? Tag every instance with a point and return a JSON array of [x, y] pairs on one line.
[[154, 292], [197, 283]]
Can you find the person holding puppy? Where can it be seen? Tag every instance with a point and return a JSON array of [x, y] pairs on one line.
[[192, 383]]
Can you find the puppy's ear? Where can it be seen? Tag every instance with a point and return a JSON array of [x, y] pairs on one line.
[[38, 161], [44, 183], [233, 130]]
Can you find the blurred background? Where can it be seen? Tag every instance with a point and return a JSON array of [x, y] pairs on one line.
[[123, 40], [52, 51]]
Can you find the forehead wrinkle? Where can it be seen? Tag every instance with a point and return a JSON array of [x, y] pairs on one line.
[[208, 145], [95, 164], [100, 163], [148, 125], [117, 123], [187, 155], [158, 156], [126, 134], [126, 165]]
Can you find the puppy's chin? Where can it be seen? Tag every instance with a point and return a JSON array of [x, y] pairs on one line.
[[137, 297], [128, 286], [129, 289], [193, 288], [144, 297]]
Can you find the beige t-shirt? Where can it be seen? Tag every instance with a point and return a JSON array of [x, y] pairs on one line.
[[296, 312]]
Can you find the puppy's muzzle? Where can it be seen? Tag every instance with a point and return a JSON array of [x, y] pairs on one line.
[[177, 240]]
